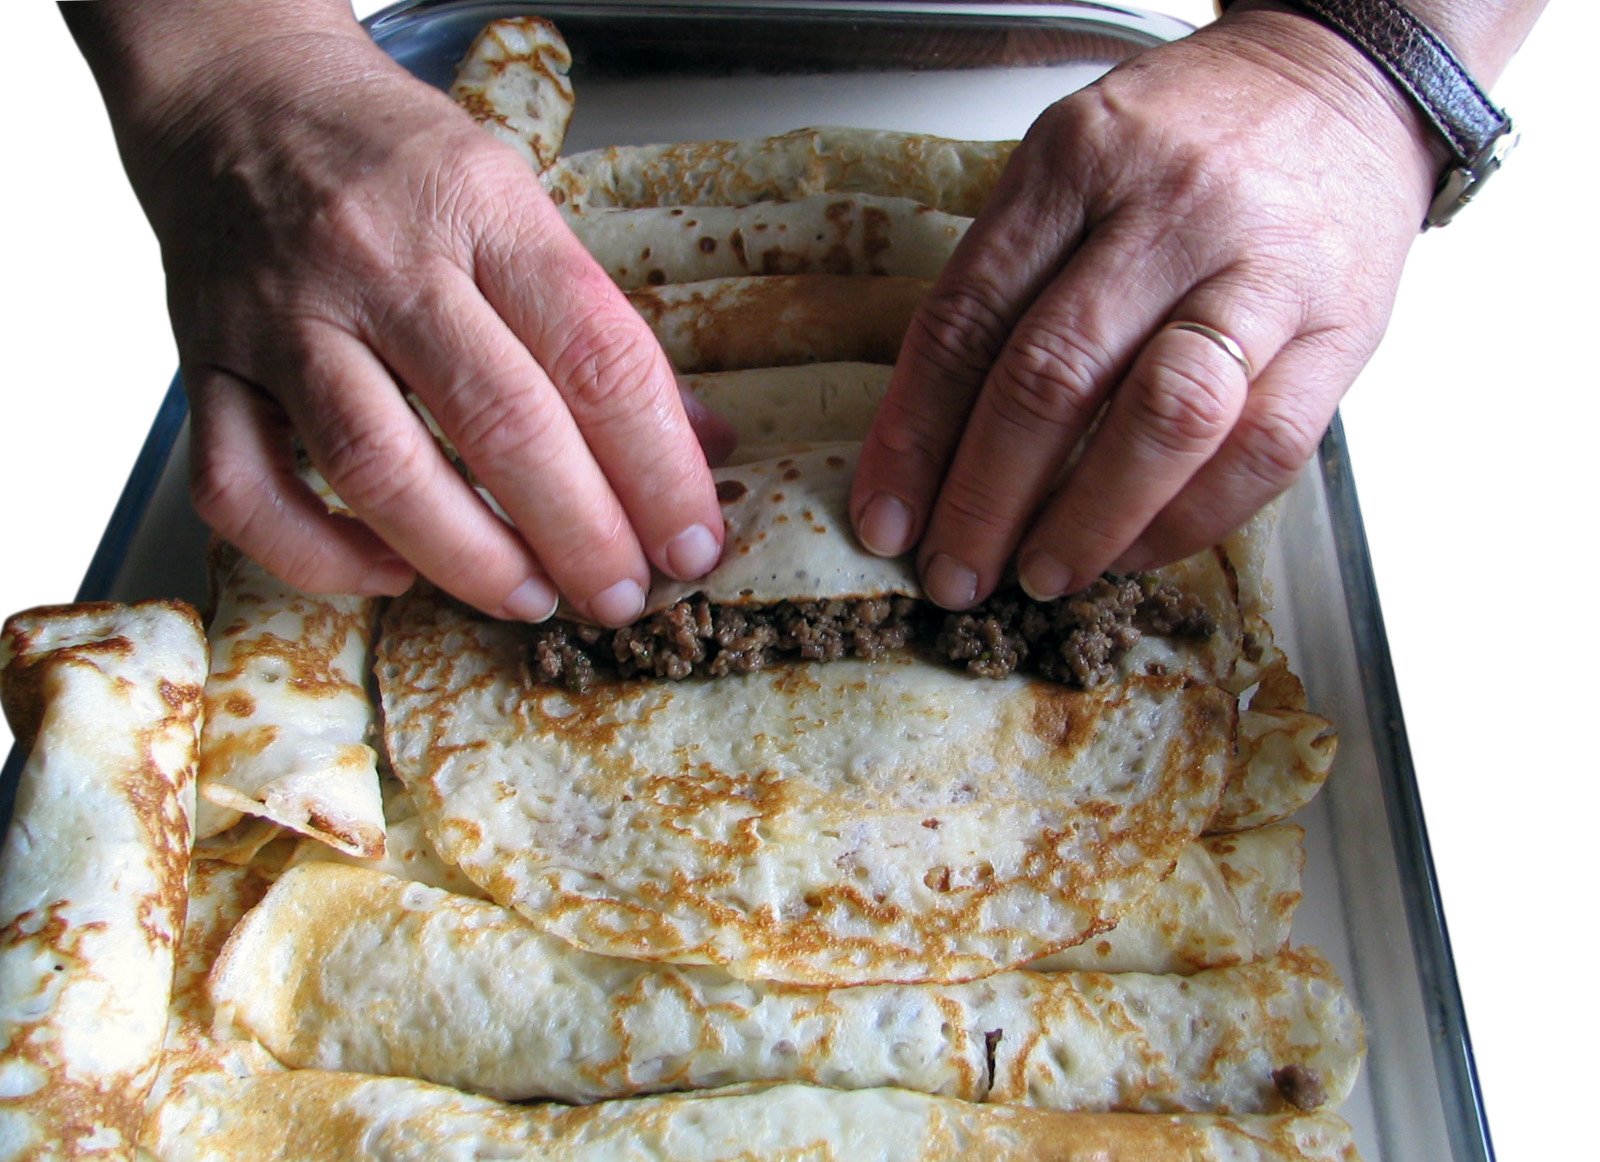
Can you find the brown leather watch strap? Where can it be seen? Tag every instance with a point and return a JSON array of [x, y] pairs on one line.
[[1478, 133]]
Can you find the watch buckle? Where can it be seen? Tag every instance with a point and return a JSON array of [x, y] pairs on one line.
[[1460, 182]]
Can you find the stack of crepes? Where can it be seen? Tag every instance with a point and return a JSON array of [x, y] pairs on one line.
[[874, 907]]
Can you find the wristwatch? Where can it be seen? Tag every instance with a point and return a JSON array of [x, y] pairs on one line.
[[1478, 133]]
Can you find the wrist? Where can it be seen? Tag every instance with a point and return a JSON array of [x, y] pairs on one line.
[[1414, 46], [1398, 138]]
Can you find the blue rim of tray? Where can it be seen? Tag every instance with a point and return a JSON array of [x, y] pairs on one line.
[[1466, 1121]]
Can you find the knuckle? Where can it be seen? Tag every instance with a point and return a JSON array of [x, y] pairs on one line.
[[583, 553], [600, 369], [1048, 380], [1275, 443], [376, 466], [1088, 536], [240, 509], [1183, 407], [351, 229], [226, 495], [295, 562], [500, 429], [960, 329], [978, 507], [906, 429]]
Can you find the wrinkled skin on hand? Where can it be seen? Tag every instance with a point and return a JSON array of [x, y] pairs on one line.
[[1259, 177], [336, 233]]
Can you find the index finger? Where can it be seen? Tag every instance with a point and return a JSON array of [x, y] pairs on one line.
[[609, 371], [1026, 231]]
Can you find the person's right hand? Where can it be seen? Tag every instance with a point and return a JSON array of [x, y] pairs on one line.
[[336, 232]]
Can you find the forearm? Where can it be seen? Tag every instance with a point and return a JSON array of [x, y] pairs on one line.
[[1484, 34]]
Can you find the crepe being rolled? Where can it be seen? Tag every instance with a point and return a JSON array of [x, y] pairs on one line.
[[289, 722], [317, 1116], [343, 968], [880, 817], [946, 174], [845, 822], [107, 701]]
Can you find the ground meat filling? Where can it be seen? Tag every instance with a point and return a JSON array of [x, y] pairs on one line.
[[1076, 640], [698, 637]]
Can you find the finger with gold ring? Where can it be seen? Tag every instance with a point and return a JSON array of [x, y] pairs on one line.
[[1226, 342]]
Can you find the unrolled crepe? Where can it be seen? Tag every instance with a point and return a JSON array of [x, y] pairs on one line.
[[513, 81], [828, 234], [107, 701], [851, 821], [723, 324], [316, 1116], [953, 176], [347, 969], [289, 722]]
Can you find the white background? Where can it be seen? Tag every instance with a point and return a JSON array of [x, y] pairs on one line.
[[1473, 442]]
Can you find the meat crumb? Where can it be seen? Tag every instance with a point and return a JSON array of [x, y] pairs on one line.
[[1300, 1087]]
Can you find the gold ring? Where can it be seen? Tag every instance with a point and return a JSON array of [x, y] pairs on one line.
[[1235, 352]]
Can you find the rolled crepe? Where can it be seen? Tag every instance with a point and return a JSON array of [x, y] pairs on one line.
[[513, 81], [347, 969], [830, 234], [192, 1056], [288, 717], [953, 176], [1285, 755], [1230, 900], [315, 1116], [723, 324], [107, 701]]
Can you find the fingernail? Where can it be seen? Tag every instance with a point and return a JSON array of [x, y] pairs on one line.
[[534, 600], [949, 583], [692, 553], [1042, 577], [618, 605], [885, 527], [1135, 559]]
